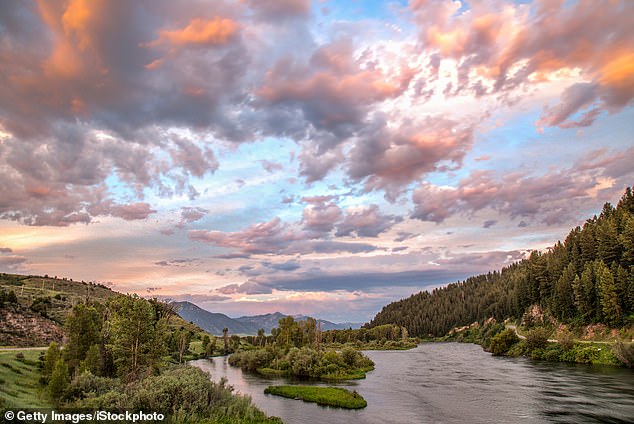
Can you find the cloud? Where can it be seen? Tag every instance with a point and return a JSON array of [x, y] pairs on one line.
[[191, 214], [288, 266], [483, 259], [195, 298], [365, 281], [331, 89], [271, 166], [4, 250], [12, 261], [498, 49], [274, 237], [389, 159], [320, 219], [248, 288], [551, 198], [131, 212], [279, 10], [88, 107], [200, 33], [366, 222], [573, 99], [176, 262]]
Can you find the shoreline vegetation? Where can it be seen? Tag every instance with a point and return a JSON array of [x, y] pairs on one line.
[[300, 349], [327, 396], [549, 343], [306, 362]]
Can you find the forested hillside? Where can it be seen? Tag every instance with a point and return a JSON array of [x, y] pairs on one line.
[[589, 278]]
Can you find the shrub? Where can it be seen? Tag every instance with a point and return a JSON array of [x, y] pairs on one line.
[[537, 338], [502, 342]]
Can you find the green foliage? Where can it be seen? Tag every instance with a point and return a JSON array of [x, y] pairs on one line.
[[305, 362], [588, 278], [185, 394], [40, 305], [330, 396], [92, 363], [53, 354], [7, 297], [537, 338], [502, 343], [59, 382], [137, 335], [83, 328]]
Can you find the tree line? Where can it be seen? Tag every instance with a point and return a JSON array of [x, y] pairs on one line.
[[587, 279]]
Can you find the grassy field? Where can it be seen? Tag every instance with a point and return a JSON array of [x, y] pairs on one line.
[[19, 380], [330, 396]]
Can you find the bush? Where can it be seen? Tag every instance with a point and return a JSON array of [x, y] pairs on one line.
[[537, 338], [89, 385], [501, 343]]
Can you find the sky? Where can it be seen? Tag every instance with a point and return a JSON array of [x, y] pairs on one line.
[[309, 157]]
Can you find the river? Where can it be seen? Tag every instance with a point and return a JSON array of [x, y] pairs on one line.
[[456, 383]]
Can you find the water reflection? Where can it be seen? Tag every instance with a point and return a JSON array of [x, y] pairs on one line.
[[456, 383]]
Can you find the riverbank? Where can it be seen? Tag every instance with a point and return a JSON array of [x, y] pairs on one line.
[[305, 362], [543, 343], [328, 396]]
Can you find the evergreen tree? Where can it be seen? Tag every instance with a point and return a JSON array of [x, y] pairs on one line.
[[83, 327], [59, 381], [610, 308]]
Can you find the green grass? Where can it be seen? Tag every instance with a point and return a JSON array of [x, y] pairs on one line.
[[357, 374], [330, 396], [272, 372], [19, 380]]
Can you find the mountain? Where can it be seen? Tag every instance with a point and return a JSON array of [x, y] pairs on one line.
[[214, 322], [327, 325], [211, 322], [266, 321], [587, 279]]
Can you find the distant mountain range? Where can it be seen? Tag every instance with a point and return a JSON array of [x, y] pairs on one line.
[[214, 322]]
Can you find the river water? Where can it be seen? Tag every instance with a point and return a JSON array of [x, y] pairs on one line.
[[455, 383]]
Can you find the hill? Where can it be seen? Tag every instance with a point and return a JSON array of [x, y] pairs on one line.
[[37, 314], [587, 279], [214, 322]]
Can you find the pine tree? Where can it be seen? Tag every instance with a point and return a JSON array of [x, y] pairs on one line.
[[59, 381], [610, 308]]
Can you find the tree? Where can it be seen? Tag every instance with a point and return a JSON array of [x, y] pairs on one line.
[[51, 357], [608, 299], [563, 297], [92, 363], [205, 342], [225, 339], [83, 327], [136, 335], [183, 340], [59, 381]]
